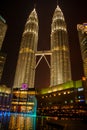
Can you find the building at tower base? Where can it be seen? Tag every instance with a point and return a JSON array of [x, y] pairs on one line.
[[67, 100], [24, 101]]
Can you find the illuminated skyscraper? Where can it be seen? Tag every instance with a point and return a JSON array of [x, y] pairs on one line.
[[25, 71], [60, 58], [3, 29], [2, 63], [82, 32]]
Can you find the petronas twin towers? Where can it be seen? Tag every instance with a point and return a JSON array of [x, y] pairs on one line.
[[60, 69]]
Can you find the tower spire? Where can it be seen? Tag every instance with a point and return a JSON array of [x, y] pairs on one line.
[[57, 2], [35, 5]]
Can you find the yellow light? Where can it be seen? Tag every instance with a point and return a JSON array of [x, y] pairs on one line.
[[23, 103], [83, 78], [59, 93], [68, 92], [85, 26], [54, 95], [46, 96], [64, 93], [42, 96]]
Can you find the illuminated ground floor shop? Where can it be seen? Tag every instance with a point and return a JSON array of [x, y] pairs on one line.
[[24, 101]]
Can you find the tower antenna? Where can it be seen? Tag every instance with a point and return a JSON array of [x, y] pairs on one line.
[[35, 5], [57, 2]]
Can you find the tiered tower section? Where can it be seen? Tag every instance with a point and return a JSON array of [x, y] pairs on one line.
[[3, 29]]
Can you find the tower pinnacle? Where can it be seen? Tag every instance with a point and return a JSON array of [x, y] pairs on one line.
[[35, 5], [57, 2]]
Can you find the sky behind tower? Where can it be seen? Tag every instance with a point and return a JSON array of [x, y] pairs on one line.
[[16, 12]]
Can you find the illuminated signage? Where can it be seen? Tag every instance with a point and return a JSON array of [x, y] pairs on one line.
[[24, 86], [80, 89], [85, 24]]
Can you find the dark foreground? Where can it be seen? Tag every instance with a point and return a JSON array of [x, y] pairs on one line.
[[26, 122]]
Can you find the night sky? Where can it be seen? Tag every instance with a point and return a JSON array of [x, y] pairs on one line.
[[15, 13]]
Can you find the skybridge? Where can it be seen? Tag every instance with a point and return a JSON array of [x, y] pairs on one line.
[[43, 54]]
